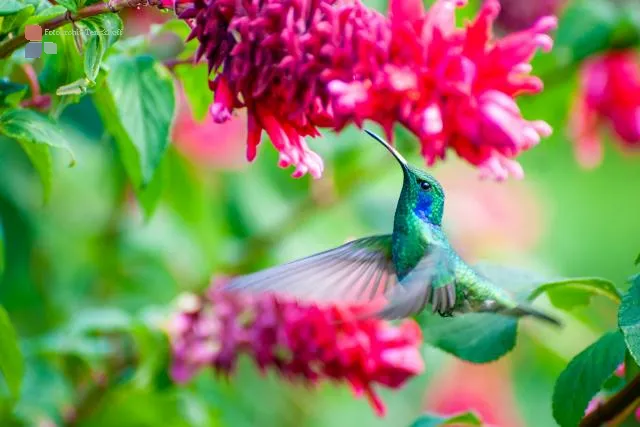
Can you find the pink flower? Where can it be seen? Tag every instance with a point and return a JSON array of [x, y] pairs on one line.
[[594, 404], [298, 66], [620, 370], [304, 342], [208, 143], [609, 93]]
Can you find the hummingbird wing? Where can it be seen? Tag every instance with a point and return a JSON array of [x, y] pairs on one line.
[[432, 280], [358, 271]]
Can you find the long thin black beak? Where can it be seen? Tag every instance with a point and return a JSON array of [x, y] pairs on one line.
[[392, 150]]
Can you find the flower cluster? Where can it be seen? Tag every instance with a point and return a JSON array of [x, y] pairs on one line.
[[301, 65], [303, 342], [609, 93]]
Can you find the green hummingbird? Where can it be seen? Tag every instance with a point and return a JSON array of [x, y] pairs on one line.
[[409, 269]]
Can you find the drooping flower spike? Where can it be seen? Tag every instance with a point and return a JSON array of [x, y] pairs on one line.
[[301, 65], [609, 94], [306, 343]]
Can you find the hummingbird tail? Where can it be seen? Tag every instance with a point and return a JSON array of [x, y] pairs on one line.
[[526, 310]]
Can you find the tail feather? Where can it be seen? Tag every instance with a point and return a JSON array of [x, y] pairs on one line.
[[526, 310]]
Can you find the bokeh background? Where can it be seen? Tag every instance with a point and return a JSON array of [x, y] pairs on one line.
[[89, 259]]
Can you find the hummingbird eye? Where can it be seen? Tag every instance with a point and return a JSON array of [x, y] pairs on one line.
[[424, 185]]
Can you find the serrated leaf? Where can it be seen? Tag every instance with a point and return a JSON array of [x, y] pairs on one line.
[[432, 420], [194, 83], [584, 376], [36, 133], [629, 318], [11, 361], [30, 126], [585, 27], [99, 34], [571, 293], [137, 105], [9, 7]]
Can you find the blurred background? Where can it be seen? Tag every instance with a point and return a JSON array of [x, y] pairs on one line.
[[89, 259]]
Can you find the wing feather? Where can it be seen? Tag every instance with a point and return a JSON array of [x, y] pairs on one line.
[[358, 271]]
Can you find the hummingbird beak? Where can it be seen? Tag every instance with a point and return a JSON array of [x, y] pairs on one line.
[[392, 150]]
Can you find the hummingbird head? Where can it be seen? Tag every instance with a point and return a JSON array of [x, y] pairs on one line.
[[422, 194]]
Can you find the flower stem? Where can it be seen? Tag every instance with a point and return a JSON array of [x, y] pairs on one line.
[[614, 406], [112, 6]]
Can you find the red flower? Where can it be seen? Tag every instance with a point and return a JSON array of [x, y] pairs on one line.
[[609, 93], [300, 65], [303, 342]]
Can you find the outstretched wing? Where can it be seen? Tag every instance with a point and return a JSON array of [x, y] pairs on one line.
[[358, 271], [432, 281]]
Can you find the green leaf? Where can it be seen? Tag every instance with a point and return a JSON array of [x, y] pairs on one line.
[[474, 337], [65, 66], [103, 320], [194, 82], [99, 34], [11, 93], [14, 21], [480, 337], [36, 133], [69, 4], [571, 293], [638, 260], [9, 7], [11, 361], [585, 376], [137, 104], [40, 157], [431, 420], [629, 318], [45, 15], [2, 251], [585, 27]]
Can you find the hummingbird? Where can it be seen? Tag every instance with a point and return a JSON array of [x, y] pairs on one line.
[[411, 269]]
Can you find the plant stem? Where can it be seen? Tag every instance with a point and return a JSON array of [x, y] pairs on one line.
[[614, 406], [112, 6]]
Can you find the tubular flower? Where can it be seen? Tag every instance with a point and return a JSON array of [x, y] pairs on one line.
[[300, 65], [303, 342], [609, 93]]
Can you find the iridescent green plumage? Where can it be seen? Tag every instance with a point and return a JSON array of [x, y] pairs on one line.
[[411, 268]]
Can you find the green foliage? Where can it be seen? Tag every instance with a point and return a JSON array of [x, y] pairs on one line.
[[11, 93], [194, 81], [99, 34], [585, 376], [10, 7], [464, 419], [46, 14], [137, 104], [586, 27], [571, 293], [475, 337], [11, 362], [638, 260], [36, 133], [629, 318]]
